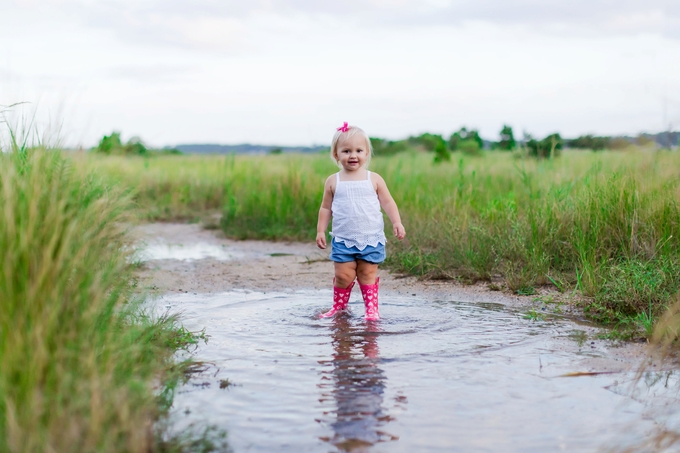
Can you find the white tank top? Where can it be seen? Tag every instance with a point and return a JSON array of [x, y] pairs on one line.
[[357, 219]]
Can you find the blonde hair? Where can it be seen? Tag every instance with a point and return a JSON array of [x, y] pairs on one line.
[[351, 132]]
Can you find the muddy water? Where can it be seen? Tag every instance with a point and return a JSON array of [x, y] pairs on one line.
[[431, 376]]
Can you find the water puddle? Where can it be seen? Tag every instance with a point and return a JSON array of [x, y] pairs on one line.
[[161, 250], [432, 376]]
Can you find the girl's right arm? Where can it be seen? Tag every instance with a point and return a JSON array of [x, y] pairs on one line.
[[324, 213]]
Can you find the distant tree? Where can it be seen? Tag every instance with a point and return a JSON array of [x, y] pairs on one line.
[[109, 143], [377, 143], [507, 142], [382, 147], [590, 142], [549, 147], [474, 136], [457, 138], [135, 147], [426, 140], [276, 150], [441, 152], [112, 144]]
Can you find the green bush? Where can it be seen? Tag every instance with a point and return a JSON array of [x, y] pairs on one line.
[[426, 140], [634, 286], [441, 153], [457, 138], [112, 144], [382, 147], [590, 142], [549, 147], [507, 142], [470, 147]]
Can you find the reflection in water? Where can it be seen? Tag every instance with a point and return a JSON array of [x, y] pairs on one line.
[[478, 379], [158, 250], [356, 384]]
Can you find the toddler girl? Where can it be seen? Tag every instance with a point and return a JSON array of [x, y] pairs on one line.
[[353, 197]]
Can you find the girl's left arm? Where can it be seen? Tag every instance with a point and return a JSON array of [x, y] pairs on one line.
[[390, 207]]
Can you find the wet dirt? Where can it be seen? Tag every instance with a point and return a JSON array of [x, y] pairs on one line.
[[447, 369], [187, 258]]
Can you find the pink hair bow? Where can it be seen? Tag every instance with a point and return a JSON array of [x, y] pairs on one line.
[[344, 127]]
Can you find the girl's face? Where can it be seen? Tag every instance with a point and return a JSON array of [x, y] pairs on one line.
[[352, 152]]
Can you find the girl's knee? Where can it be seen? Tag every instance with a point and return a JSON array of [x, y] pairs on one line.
[[367, 274], [344, 278]]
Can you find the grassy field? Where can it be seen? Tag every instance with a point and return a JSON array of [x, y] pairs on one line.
[[602, 225], [81, 367]]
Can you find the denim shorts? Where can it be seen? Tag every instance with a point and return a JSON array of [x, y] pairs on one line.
[[340, 253]]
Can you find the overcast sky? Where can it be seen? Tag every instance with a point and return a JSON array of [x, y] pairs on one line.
[[290, 71]]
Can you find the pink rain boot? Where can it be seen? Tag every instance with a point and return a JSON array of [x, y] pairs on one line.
[[370, 294], [340, 300]]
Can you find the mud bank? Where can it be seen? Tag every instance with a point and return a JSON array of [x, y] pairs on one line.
[[188, 258]]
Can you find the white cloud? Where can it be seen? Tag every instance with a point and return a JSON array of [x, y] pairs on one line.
[[225, 25]]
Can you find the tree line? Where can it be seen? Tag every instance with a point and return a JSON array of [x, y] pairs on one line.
[[468, 141], [113, 145]]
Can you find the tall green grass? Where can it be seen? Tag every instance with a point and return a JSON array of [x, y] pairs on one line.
[[79, 364], [168, 187], [601, 224]]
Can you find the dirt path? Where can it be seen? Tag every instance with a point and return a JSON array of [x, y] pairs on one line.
[[289, 267], [275, 266]]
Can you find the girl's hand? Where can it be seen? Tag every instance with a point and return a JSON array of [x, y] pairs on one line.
[[321, 240], [398, 230]]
